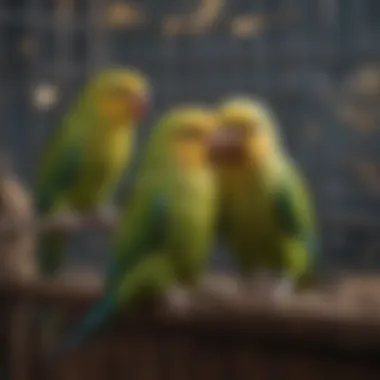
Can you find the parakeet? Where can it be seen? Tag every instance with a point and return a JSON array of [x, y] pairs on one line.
[[165, 236], [84, 158], [266, 214]]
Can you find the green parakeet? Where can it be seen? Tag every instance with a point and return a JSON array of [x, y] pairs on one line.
[[84, 158], [166, 234], [266, 213]]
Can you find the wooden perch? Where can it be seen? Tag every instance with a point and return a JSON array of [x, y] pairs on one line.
[[212, 328], [19, 226], [17, 216], [238, 305]]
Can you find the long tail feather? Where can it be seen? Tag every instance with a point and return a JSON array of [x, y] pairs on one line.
[[90, 324]]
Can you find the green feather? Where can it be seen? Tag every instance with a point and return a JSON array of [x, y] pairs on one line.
[[134, 242], [65, 174]]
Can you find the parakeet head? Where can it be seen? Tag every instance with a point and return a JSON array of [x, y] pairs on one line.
[[181, 138], [120, 95], [247, 134]]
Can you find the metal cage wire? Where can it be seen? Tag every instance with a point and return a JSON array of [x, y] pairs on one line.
[[316, 62]]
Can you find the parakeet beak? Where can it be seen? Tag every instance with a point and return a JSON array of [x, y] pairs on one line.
[[140, 106], [227, 146]]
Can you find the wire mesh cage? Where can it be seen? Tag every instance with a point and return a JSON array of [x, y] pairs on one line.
[[316, 62]]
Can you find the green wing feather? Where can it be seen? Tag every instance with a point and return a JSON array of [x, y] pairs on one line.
[[142, 230], [59, 163], [58, 179], [295, 214], [58, 169]]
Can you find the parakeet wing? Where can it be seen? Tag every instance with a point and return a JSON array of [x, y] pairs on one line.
[[294, 209], [128, 177], [56, 176], [147, 223], [141, 231]]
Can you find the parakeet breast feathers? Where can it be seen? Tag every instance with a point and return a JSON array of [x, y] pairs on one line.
[[187, 193], [252, 221], [111, 145]]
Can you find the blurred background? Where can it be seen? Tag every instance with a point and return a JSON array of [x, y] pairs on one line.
[[315, 61]]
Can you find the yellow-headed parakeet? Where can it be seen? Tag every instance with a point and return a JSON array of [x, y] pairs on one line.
[[266, 214], [166, 234], [85, 157]]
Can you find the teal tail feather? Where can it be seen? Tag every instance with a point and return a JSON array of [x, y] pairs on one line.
[[89, 325]]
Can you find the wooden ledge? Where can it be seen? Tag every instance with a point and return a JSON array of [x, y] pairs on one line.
[[312, 317]]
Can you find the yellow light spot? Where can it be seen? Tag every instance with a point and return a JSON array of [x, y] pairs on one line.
[[123, 15], [205, 16], [249, 25], [45, 96], [201, 20]]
